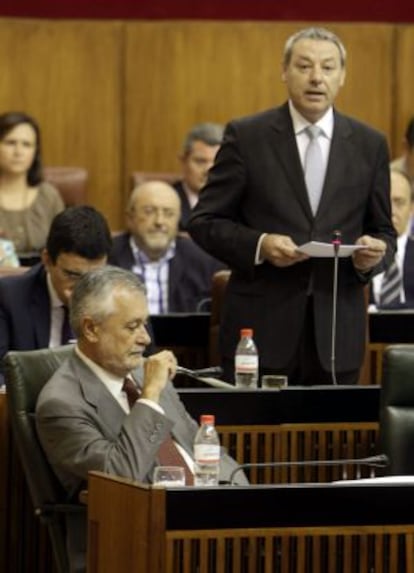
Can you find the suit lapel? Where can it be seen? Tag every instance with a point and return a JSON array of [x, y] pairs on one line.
[[175, 270], [283, 141], [342, 158], [40, 310], [98, 396]]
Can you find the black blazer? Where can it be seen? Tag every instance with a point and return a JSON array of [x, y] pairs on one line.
[[190, 275], [24, 311], [408, 277], [185, 205], [257, 186]]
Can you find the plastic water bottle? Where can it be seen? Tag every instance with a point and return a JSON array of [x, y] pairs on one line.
[[206, 453], [246, 361]]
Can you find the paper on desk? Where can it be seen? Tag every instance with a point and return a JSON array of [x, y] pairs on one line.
[[317, 249]]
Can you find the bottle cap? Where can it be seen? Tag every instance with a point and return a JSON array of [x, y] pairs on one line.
[[246, 332], [207, 419]]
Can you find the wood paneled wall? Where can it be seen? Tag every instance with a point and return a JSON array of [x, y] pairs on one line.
[[119, 96]]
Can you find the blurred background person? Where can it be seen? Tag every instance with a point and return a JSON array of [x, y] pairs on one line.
[[27, 203], [34, 305], [197, 156], [177, 274], [405, 162], [395, 287]]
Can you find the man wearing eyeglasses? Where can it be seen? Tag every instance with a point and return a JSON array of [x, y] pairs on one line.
[[33, 305], [176, 272]]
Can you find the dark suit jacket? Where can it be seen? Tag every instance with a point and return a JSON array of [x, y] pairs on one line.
[[408, 273], [83, 428], [190, 275], [185, 205], [24, 311], [257, 186], [408, 277]]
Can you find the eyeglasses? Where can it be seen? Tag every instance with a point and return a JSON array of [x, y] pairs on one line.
[[72, 276]]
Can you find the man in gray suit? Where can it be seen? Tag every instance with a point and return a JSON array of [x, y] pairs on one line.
[[83, 416]]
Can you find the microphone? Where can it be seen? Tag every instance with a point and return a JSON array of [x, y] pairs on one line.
[[379, 461], [204, 375], [336, 242]]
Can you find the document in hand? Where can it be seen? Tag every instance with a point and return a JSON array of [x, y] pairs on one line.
[[318, 249]]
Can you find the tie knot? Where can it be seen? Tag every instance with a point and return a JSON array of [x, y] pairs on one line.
[[313, 131], [131, 391]]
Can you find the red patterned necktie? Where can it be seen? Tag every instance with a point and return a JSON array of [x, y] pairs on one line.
[[131, 391], [168, 454]]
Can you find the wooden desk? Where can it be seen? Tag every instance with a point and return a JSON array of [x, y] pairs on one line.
[[293, 424], [318, 528]]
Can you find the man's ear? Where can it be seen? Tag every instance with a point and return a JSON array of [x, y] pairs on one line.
[[45, 258], [89, 329]]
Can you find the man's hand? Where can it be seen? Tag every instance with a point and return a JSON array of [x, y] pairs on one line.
[[365, 259], [280, 251], [158, 370]]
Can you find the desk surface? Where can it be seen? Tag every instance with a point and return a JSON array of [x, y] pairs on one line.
[[318, 404], [291, 505], [389, 326]]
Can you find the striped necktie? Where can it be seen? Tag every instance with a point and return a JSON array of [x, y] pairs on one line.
[[391, 287]]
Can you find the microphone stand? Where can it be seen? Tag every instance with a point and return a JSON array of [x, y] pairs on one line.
[[204, 375], [380, 461], [336, 242]]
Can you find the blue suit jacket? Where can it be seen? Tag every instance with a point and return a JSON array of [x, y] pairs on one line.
[[24, 311], [191, 271]]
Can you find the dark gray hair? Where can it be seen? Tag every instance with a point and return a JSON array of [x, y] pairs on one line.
[[93, 294], [208, 133], [313, 34]]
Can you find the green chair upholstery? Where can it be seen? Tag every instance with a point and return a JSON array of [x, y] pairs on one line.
[[26, 372], [397, 409]]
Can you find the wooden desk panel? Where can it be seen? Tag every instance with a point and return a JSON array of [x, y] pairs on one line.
[[279, 529]]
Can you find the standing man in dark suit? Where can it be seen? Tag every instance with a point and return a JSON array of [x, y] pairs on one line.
[[176, 272], [33, 305], [402, 211], [86, 416], [197, 156], [255, 211]]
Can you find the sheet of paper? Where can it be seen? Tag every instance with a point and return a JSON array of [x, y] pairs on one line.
[[317, 249]]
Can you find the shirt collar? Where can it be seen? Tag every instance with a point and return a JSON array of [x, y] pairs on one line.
[[53, 296], [140, 257], [326, 123], [112, 382]]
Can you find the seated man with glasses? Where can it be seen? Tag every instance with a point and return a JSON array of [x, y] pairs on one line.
[[176, 272], [33, 305]]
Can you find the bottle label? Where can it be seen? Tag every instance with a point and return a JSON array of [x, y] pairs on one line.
[[247, 363], [206, 453]]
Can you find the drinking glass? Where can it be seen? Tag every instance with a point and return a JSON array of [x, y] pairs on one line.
[[274, 381], [169, 476]]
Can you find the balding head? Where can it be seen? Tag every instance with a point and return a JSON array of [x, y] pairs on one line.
[[401, 201], [152, 217]]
